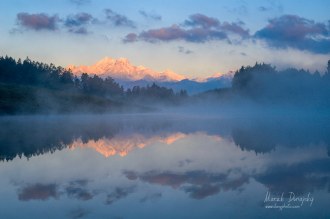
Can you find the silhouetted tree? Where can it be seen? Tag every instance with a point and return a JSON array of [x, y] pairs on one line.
[[262, 82], [28, 86], [183, 94], [33, 73]]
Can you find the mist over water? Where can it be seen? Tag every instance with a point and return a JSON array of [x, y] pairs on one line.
[[259, 148], [96, 165], [195, 111]]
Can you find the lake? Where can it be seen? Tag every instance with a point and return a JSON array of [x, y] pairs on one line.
[[165, 166]]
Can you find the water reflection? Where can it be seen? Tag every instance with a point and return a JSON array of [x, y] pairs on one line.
[[38, 192], [198, 184], [299, 178], [164, 162], [30, 136], [122, 145], [263, 135]]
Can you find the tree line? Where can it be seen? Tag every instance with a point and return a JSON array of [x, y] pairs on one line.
[[262, 82], [31, 87], [32, 73]]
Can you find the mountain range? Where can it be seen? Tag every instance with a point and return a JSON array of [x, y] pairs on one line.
[[129, 76]]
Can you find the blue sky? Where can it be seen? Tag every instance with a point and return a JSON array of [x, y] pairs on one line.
[[194, 38]]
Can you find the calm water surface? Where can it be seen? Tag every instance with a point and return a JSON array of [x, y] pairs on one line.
[[164, 166]]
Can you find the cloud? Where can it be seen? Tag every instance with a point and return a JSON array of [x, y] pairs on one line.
[[175, 32], [118, 19], [118, 194], [77, 190], [202, 20], [74, 23], [235, 28], [131, 37], [164, 34], [78, 19], [151, 16], [191, 35], [77, 22], [80, 30], [197, 184], [38, 192], [296, 32], [37, 22], [197, 28]]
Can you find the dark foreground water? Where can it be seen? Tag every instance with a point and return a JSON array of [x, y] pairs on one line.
[[164, 166]]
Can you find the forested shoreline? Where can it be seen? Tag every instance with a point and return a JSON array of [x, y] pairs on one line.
[[30, 87]]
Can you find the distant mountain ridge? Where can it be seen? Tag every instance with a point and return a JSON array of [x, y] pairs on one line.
[[122, 69], [129, 76], [191, 86]]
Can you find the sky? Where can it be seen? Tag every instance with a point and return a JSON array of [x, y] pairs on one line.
[[194, 38]]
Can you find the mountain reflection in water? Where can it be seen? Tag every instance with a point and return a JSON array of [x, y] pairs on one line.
[[30, 136], [164, 160]]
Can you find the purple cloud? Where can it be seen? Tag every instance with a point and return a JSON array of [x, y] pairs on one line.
[[130, 38], [175, 32], [235, 28], [74, 23], [118, 19], [296, 32], [163, 34], [198, 28], [205, 22], [37, 21]]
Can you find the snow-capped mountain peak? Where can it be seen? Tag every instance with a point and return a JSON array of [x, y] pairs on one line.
[[122, 69]]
